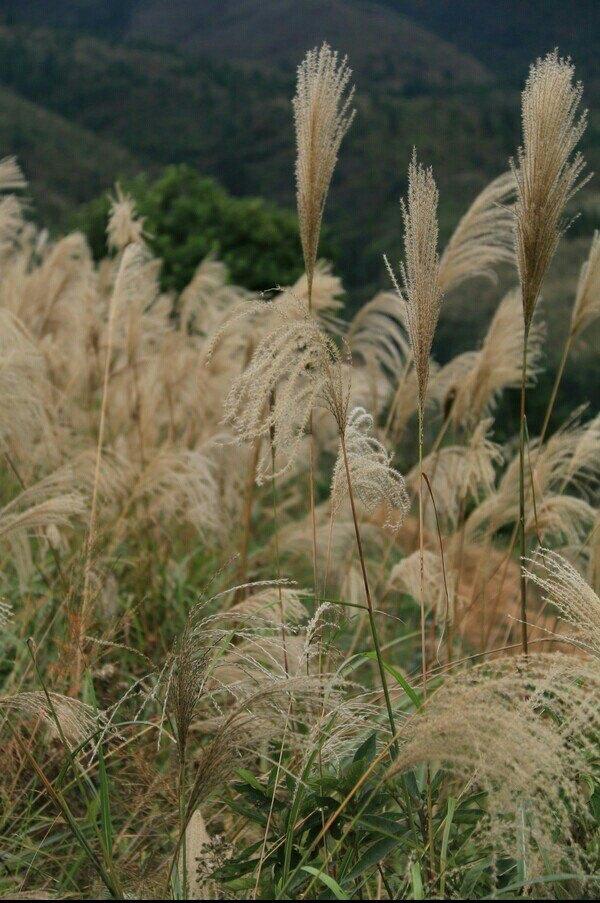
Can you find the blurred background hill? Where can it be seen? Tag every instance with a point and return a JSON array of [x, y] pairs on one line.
[[92, 92]]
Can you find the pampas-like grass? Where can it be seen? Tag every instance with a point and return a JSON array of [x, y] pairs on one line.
[[529, 772], [124, 226], [568, 460], [586, 308], [475, 380], [547, 169], [483, 238], [113, 396], [565, 588], [420, 291], [11, 176], [547, 172], [461, 474], [322, 116], [77, 720], [375, 483], [294, 368]]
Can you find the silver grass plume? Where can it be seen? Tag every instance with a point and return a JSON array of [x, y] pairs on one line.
[[521, 730], [420, 290], [295, 367], [565, 588], [568, 460], [77, 720], [587, 298], [473, 381], [124, 226], [11, 177], [374, 481], [483, 238], [322, 116], [460, 473], [547, 170]]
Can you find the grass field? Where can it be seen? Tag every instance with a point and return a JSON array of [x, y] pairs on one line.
[[290, 608]]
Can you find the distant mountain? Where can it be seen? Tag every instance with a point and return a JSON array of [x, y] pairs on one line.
[[442, 38], [382, 44], [65, 164], [209, 82], [91, 90], [507, 35], [236, 124]]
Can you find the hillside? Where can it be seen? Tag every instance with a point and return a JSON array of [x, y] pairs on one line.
[[91, 91], [65, 163], [384, 46]]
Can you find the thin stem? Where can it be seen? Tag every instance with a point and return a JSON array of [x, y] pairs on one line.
[[247, 515], [522, 415], [183, 828], [276, 540], [423, 639], [311, 479], [94, 502], [312, 507], [369, 600], [556, 386], [422, 558]]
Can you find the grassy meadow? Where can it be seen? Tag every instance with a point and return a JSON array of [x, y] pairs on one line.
[[290, 606]]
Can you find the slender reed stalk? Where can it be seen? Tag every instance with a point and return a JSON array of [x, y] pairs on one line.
[[129, 259], [247, 514], [368, 598], [522, 539], [422, 558], [547, 174], [556, 386], [322, 116], [276, 540]]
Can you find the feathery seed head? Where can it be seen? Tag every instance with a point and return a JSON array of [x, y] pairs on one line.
[[547, 169], [124, 225], [565, 588], [483, 238], [322, 116], [420, 291], [11, 177], [587, 299], [374, 481]]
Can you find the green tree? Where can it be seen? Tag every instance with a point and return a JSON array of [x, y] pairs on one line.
[[187, 216]]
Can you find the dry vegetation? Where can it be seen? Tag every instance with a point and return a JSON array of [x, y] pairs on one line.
[[279, 618]]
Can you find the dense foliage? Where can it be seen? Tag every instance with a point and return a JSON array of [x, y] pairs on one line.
[[187, 217]]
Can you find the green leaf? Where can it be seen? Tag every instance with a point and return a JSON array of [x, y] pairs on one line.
[[451, 806], [401, 680], [372, 856], [248, 778], [366, 751], [416, 881], [328, 881], [379, 824], [106, 827], [247, 812]]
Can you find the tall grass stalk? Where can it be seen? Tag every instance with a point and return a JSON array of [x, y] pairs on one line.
[[128, 259], [522, 537], [372, 624]]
